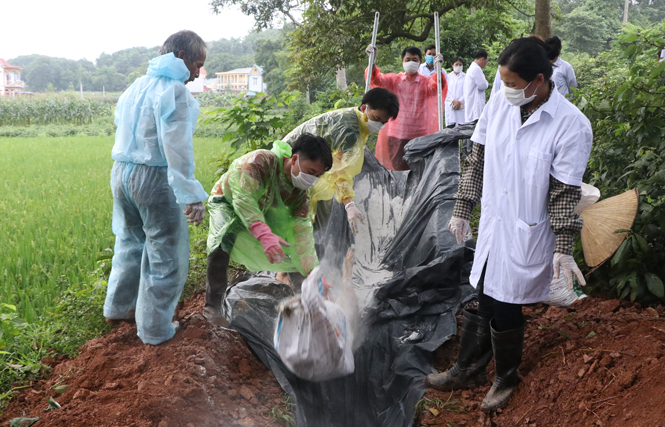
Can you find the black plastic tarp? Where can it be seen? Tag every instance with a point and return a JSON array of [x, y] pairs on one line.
[[410, 277]]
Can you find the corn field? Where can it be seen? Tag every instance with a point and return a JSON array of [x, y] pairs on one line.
[[23, 111]]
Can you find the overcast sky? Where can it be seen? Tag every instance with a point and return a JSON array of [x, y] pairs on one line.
[[78, 29]]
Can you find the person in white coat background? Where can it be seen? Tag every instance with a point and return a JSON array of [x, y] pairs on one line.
[[475, 85], [454, 111], [531, 147], [563, 73]]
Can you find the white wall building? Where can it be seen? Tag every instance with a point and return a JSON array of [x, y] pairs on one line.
[[10, 79]]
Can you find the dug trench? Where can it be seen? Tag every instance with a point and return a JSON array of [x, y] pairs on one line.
[[596, 363]]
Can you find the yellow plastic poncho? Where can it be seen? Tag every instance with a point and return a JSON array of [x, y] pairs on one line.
[[255, 188], [346, 131]]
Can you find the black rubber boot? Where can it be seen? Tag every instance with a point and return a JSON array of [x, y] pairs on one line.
[[474, 355], [216, 282], [507, 348]]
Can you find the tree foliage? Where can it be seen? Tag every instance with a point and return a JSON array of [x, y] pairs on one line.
[[626, 105]]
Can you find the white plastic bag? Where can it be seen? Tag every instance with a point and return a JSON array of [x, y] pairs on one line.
[[561, 294], [313, 337]]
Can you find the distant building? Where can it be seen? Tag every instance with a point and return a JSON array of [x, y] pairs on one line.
[[198, 85], [10, 79], [241, 80]]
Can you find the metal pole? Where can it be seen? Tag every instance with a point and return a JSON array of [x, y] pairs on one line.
[[372, 56], [438, 70]]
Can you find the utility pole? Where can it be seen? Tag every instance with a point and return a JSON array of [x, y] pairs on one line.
[[625, 12], [543, 19], [81, 83]]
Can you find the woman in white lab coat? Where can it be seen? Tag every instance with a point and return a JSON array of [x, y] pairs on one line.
[[563, 73], [455, 96], [531, 147]]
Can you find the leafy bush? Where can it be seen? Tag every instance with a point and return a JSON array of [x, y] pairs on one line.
[[626, 105]]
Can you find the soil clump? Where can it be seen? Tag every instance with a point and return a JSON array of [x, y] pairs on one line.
[[596, 363], [204, 376]]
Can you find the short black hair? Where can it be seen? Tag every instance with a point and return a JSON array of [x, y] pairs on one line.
[[482, 53], [528, 57], [413, 51], [554, 45], [382, 99], [313, 148], [459, 59], [430, 46]]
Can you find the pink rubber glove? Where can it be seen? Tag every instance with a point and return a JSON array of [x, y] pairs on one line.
[[269, 242]]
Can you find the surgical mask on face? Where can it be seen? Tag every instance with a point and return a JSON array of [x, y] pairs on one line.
[[457, 69], [304, 181], [374, 126], [410, 67], [516, 96], [429, 59]]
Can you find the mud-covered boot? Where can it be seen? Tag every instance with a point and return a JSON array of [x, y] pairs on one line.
[[474, 355], [507, 347]]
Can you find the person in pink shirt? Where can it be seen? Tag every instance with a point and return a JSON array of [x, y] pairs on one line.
[[418, 115]]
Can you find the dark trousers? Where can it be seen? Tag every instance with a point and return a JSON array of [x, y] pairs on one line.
[[506, 316], [217, 278]]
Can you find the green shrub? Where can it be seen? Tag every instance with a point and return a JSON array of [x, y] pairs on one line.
[[24, 111]]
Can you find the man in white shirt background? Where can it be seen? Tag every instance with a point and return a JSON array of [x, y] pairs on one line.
[[427, 68], [564, 76], [475, 85]]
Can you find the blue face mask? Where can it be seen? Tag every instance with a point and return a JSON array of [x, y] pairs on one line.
[[429, 59]]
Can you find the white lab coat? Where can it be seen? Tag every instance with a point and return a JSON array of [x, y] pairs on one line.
[[497, 86], [455, 92], [515, 238], [425, 71], [563, 77], [475, 85]]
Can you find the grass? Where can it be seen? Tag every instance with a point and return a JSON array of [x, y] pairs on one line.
[[55, 215]]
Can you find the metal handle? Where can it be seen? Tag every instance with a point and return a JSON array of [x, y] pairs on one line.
[[438, 70], [370, 68]]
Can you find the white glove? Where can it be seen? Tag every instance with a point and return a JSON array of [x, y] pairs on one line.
[[354, 216], [438, 59], [567, 264], [195, 213], [371, 49], [460, 228]]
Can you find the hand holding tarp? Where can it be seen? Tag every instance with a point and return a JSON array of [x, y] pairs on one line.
[[354, 215], [195, 213], [460, 228], [271, 243], [567, 265]]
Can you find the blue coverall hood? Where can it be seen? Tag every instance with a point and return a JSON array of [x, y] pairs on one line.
[[168, 66]]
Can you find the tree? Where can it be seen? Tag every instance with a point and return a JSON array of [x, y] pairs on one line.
[[543, 26]]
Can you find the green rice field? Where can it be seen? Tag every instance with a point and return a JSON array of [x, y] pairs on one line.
[[55, 214]]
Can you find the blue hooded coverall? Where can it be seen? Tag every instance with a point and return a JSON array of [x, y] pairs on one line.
[[152, 180]]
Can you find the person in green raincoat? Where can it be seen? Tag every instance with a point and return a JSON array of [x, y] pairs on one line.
[[259, 214], [346, 130]]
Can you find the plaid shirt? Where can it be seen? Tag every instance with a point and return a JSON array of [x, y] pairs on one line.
[[562, 201]]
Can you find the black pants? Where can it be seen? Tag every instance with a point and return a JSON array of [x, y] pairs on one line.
[[506, 316], [217, 278]]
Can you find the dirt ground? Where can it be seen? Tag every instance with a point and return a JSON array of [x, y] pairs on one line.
[[597, 363], [205, 376]]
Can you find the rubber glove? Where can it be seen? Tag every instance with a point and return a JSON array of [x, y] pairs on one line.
[[371, 48], [269, 242], [438, 59], [460, 228], [354, 215], [195, 213], [567, 264]]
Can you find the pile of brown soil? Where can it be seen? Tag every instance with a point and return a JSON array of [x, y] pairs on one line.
[[596, 363], [204, 376]]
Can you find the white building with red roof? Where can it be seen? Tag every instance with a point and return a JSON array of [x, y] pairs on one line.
[[10, 79]]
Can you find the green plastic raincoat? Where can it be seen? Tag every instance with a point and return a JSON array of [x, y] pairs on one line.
[[346, 131], [255, 188]]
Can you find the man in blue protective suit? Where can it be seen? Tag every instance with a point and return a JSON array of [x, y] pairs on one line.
[[155, 193]]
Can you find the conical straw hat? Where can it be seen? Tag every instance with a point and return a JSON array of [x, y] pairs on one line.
[[601, 220]]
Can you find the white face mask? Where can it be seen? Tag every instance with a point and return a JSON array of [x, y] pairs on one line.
[[374, 126], [304, 181], [457, 69], [410, 67], [516, 96]]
